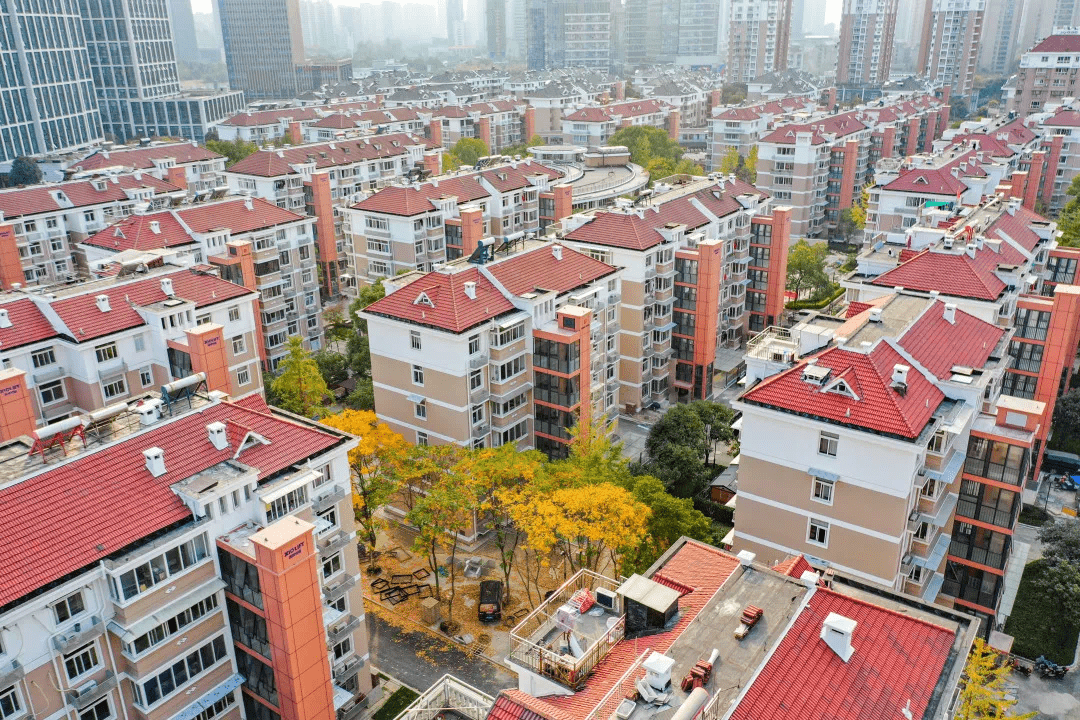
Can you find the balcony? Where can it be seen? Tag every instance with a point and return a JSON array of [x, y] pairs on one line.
[[480, 430], [531, 639], [80, 634], [335, 542], [980, 555], [343, 630], [330, 498], [449, 697], [665, 268], [478, 394], [346, 670], [333, 593], [971, 592], [89, 693], [478, 361]]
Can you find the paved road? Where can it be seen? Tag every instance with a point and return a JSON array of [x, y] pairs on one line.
[[419, 659], [1055, 699]]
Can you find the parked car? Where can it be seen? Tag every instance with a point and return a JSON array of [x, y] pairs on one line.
[[490, 606], [1061, 462]]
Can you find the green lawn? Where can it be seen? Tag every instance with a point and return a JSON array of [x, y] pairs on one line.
[[1037, 623], [1032, 515], [394, 704]]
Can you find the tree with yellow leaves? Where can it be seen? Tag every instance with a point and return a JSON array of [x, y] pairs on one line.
[[983, 694], [491, 471], [371, 462]]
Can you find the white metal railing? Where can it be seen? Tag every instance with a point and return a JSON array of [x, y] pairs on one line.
[[449, 694]]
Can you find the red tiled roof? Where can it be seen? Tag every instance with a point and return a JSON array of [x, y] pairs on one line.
[[1064, 118], [271, 117], [235, 216], [517, 705], [1017, 227], [878, 407], [17, 202], [793, 566], [695, 565], [142, 158], [453, 310], [938, 345], [336, 121], [898, 659], [640, 232], [47, 535], [739, 114], [838, 125], [955, 274], [1058, 43], [134, 233], [928, 181], [86, 322], [539, 269], [606, 113], [271, 163], [28, 325]]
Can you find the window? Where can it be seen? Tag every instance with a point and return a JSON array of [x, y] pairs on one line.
[[98, 711], [146, 378], [81, 661], [511, 369], [239, 345], [51, 392], [160, 568], [476, 379], [417, 375], [234, 313], [339, 604], [420, 410], [510, 334], [827, 444], [114, 388], [414, 340], [343, 648], [331, 565], [9, 703], [474, 344], [68, 608], [421, 439], [203, 319], [819, 533], [330, 516], [477, 414], [166, 682], [287, 503], [823, 490], [43, 357], [140, 343], [937, 442], [922, 530], [243, 376], [106, 352]]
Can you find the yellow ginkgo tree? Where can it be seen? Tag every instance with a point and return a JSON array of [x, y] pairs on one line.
[[983, 692]]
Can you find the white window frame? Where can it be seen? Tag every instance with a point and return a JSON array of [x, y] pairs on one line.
[[828, 441], [12, 695], [813, 524], [822, 490], [89, 649], [65, 602], [418, 375], [330, 562], [243, 376]]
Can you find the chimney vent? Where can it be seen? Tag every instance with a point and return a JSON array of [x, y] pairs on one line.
[[155, 461], [809, 578], [216, 433], [950, 313], [556, 251], [248, 204], [746, 558], [149, 412], [470, 290], [875, 315], [102, 303], [167, 286], [836, 631], [5, 321], [155, 227], [899, 374]]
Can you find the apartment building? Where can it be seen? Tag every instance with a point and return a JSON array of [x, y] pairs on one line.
[[40, 225], [499, 123], [693, 99], [683, 32], [351, 124], [251, 242], [867, 28], [209, 573], [263, 126], [551, 102], [660, 626], [1047, 74], [182, 164], [742, 127], [593, 125], [949, 49], [820, 166], [322, 179], [572, 33], [263, 45], [77, 349], [759, 33], [687, 285], [1057, 125], [417, 227], [47, 102], [501, 346]]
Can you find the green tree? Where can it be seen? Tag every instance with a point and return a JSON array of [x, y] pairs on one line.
[[733, 93], [731, 162], [334, 367], [806, 267], [717, 419], [368, 294], [670, 519], [1066, 424], [1061, 542], [24, 171], [847, 227], [984, 691], [233, 150], [646, 144], [363, 397], [1061, 581], [749, 168], [466, 152], [522, 149], [675, 451], [299, 387]]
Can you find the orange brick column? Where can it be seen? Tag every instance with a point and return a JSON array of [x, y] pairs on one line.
[[620, 90], [564, 200], [240, 252], [206, 346], [176, 176], [1031, 193], [831, 99], [673, 124], [435, 131], [888, 140], [10, 264], [931, 130], [943, 119], [325, 238], [296, 133], [714, 99], [485, 132], [913, 137], [778, 257], [706, 324], [288, 567], [530, 122], [16, 409], [472, 228], [1019, 180], [847, 179], [431, 162]]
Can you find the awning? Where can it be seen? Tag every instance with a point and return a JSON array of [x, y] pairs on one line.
[[823, 474], [283, 490], [944, 512], [192, 710], [665, 328], [414, 398], [936, 554], [151, 621]]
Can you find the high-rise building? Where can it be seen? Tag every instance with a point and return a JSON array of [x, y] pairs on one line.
[[496, 29], [572, 33], [1001, 29], [798, 17], [321, 27], [183, 30], [952, 32], [758, 38], [46, 89], [455, 22], [682, 31], [866, 41], [475, 22], [263, 45]]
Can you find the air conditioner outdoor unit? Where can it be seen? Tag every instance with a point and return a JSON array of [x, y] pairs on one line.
[[606, 598], [86, 689]]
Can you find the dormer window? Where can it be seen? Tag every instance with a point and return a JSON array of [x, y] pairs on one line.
[[840, 387], [423, 299]]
